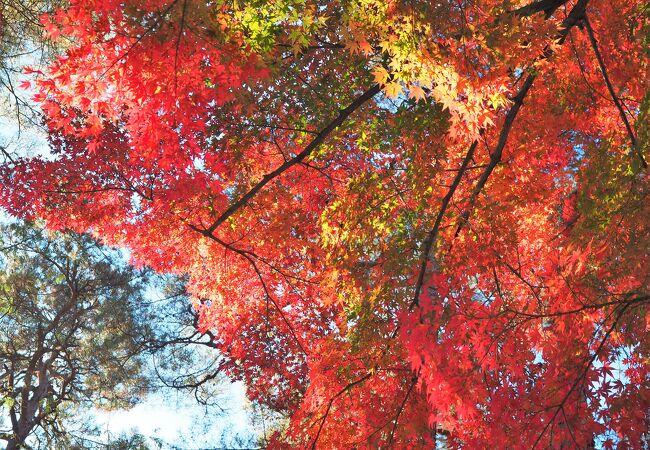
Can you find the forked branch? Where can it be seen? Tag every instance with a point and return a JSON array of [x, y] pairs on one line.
[[318, 140]]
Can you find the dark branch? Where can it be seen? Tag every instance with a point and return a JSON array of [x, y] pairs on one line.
[[433, 234], [610, 88], [414, 380], [267, 292], [547, 6], [582, 374], [574, 17], [320, 137], [329, 404]]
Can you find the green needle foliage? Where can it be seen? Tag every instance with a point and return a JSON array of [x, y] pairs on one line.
[[70, 332]]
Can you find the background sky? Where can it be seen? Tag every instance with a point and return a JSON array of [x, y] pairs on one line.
[[181, 423]]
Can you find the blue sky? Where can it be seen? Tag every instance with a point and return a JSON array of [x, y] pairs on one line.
[[180, 422]]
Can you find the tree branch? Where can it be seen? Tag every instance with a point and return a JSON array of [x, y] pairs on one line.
[[582, 375], [329, 404], [574, 17], [547, 6], [267, 292], [320, 137], [433, 234], [612, 93], [414, 380]]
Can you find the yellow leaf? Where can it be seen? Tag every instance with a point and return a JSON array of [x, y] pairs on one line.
[[393, 89], [381, 75], [417, 92]]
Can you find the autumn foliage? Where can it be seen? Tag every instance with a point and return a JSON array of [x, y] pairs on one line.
[[405, 222]]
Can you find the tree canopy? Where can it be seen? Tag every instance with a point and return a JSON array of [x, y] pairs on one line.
[[83, 335], [402, 222], [70, 334], [21, 40]]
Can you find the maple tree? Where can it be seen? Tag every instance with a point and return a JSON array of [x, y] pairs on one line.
[[403, 222]]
